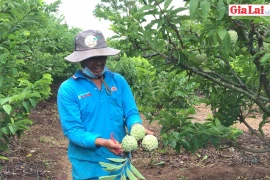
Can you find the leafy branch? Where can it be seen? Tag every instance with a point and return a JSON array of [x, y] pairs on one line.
[[224, 84], [125, 167]]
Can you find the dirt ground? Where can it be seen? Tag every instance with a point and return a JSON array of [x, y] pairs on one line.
[[41, 154]]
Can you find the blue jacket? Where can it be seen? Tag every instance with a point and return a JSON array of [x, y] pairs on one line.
[[87, 113]]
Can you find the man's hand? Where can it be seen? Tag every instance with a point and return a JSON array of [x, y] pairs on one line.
[[149, 132], [113, 146], [146, 130]]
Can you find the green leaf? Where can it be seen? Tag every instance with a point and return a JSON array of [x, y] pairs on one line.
[[205, 157], [265, 59], [3, 158], [112, 177], [111, 167], [167, 3], [117, 159], [221, 13], [34, 94], [5, 130], [3, 147], [26, 105], [139, 15], [193, 4], [217, 122], [130, 175], [26, 48], [3, 56], [136, 172], [7, 108], [123, 177], [13, 129], [146, 7], [161, 163], [221, 9], [226, 44], [12, 120], [33, 102], [222, 33], [205, 5]]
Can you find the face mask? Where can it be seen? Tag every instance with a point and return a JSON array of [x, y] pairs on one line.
[[87, 72]]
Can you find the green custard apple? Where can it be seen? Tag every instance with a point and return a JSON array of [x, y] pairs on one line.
[[200, 57], [234, 36], [150, 142], [129, 143], [138, 131]]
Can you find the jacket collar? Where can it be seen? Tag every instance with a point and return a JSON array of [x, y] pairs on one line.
[[78, 74]]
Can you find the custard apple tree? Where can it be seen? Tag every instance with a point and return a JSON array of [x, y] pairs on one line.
[[234, 77]]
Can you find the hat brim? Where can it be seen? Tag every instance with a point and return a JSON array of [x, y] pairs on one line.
[[78, 56]]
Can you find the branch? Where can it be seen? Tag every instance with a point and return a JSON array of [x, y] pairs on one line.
[[263, 77], [149, 56], [15, 25], [222, 78], [170, 41], [224, 84], [237, 24], [233, 72], [233, 144], [241, 82], [172, 26], [260, 84], [249, 109], [253, 131]]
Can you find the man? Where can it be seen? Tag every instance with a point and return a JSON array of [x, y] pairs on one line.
[[93, 105]]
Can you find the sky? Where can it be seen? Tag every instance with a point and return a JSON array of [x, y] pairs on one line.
[[79, 14]]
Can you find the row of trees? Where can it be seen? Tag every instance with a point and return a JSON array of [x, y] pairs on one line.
[[33, 43]]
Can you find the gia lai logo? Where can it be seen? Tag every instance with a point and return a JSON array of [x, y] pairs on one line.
[[249, 10]]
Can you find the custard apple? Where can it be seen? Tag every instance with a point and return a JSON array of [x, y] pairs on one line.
[[137, 131], [150, 142], [129, 143], [233, 35], [200, 57]]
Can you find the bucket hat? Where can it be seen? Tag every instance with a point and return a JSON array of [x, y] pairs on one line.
[[90, 43]]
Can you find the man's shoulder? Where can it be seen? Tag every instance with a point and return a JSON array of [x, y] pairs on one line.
[[67, 84], [71, 82]]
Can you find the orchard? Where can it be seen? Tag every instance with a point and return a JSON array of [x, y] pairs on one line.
[[180, 61]]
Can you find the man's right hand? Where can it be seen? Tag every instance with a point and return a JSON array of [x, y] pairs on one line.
[[113, 146]]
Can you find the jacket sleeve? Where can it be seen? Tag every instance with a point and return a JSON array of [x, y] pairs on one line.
[[70, 119], [131, 113]]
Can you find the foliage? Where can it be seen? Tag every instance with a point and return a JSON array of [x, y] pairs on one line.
[[139, 73], [234, 76], [33, 43], [49, 42], [178, 131], [149, 87], [18, 95], [124, 166]]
